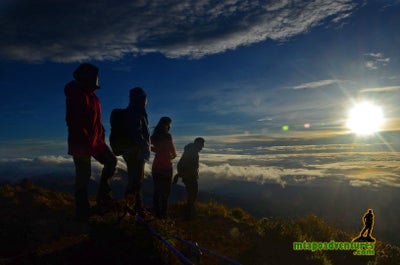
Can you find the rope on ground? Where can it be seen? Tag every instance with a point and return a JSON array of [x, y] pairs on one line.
[[195, 245], [139, 219]]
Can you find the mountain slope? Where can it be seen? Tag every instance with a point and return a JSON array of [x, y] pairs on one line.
[[37, 227]]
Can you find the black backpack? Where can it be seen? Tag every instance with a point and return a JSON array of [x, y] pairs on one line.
[[119, 139]]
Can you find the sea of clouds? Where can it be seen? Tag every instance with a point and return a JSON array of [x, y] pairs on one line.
[[356, 165]]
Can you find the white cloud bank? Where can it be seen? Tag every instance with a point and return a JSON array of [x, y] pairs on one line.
[[70, 31], [305, 164], [18, 168]]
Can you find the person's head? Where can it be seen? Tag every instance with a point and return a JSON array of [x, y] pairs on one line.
[[137, 97], [87, 74], [163, 125], [199, 143]]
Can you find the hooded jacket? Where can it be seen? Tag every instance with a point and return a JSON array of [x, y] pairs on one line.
[[138, 130], [83, 115], [130, 127]]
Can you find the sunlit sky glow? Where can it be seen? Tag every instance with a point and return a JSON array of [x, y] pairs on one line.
[[250, 77], [365, 118]]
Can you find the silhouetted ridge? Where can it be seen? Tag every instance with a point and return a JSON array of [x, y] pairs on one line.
[[37, 227]]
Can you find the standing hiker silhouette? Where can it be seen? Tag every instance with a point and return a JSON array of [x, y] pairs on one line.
[[86, 137]]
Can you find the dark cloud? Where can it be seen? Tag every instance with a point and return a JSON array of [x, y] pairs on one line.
[[68, 31]]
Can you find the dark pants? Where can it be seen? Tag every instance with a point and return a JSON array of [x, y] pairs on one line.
[[135, 167], [83, 172], [192, 190], [162, 188]]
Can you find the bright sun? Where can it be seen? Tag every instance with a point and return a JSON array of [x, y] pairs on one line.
[[365, 118]]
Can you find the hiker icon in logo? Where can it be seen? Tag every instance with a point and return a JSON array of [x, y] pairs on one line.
[[368, 220]]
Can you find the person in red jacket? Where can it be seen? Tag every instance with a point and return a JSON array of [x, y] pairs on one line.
[[163, 146], [86, 137]]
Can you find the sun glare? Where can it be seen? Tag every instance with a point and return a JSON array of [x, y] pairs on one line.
[[365, 119]]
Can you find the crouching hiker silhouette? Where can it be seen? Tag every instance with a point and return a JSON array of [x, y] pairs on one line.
[[86, 137], [188, 170], [130, 138]]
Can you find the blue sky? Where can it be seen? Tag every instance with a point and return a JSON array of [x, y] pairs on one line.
[[233, 72]]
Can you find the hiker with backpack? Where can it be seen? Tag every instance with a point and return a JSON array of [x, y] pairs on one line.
[[130, 138], [163, 146], [86, 137], [188, 170]]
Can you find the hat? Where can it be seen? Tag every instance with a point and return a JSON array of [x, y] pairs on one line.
[[87, 73]]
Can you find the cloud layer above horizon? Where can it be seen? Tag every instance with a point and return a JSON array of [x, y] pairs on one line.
[[354, 164], [65, 31]]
